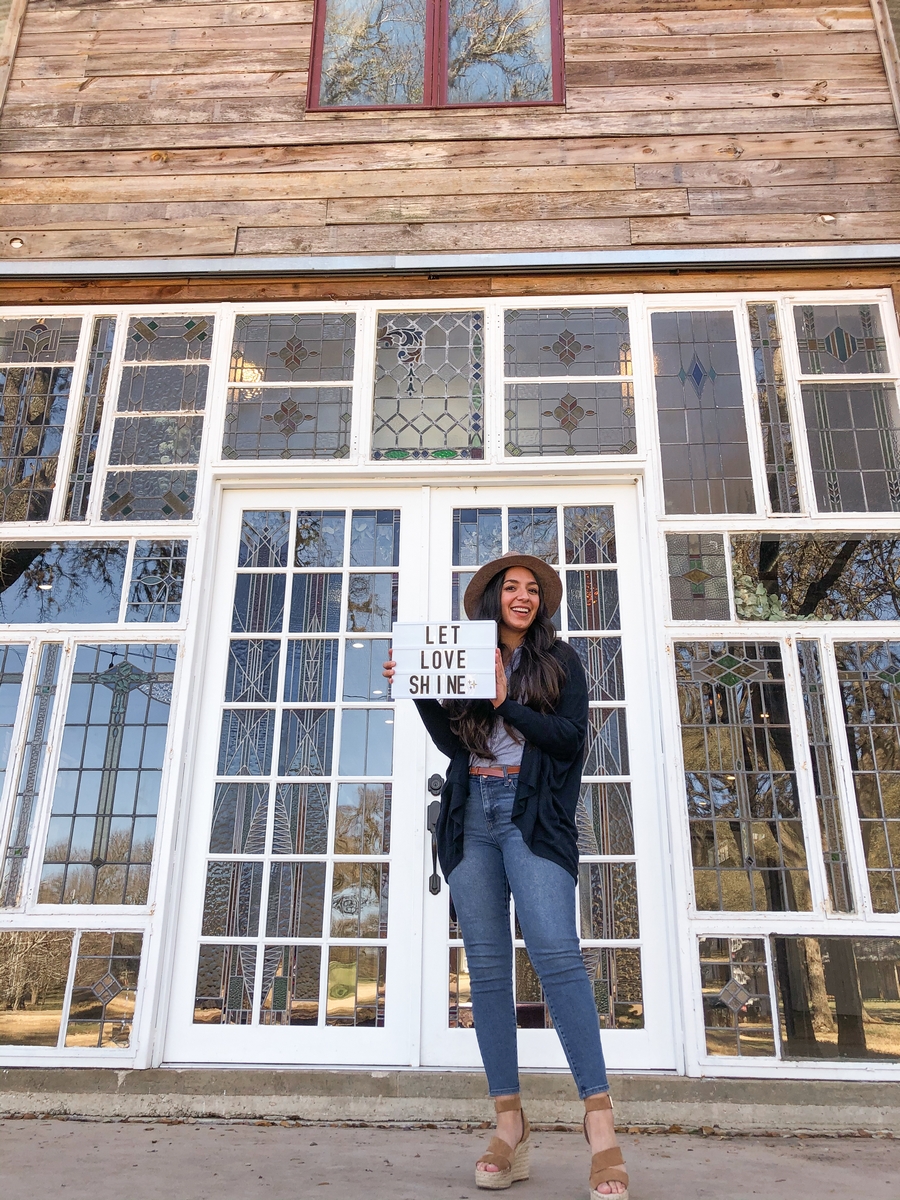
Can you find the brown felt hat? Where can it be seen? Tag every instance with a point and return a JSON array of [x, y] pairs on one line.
[[551, 584]]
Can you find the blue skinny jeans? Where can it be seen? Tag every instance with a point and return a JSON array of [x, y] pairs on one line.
[[495, 862]]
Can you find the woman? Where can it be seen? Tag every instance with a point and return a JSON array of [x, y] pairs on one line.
[[507, 824]]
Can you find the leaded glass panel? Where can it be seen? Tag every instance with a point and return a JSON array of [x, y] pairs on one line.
[[429, 372], [301, 818], [700, 409], [356, 991], [169, 338], [157, 581], [292, 347], [264, 539], [838, 997], [225, 984], [149, 495], [771, 394], [570, 418], [824, 768], [373, 53], [698, 579], [99, 845], [12, 672], [604, 820], [104, 990], [746, 827], [534, 531], [828, 576], [840, 339], [137, 441], [34, 971], [31, 774], [608, 896], [590, 534], [252, 670], [162, 388], [854, 446], [239, 818], [44, 340], [296, 900], [869, 678], [615, 975], [61, 582], [287, 423], [737, 1006], [84, 461], [291, 985], [33, 404], [311, 670], [232, 899], [567, 341]]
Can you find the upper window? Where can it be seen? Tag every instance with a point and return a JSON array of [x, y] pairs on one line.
[[435, 53]]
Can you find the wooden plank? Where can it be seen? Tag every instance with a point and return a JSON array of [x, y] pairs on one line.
[[437, 236], [720, 45], [61, 67], [726, 96], [828, 155], [11, 30], [774, 172], [156, 215], [219, 62], [574, 182], [214, 40], [165, 16], [612, 23], [127, 243], [728, 123], [174, 93], [750, 229], [399, 210], [589, 7], [849, 197], [863, 68]]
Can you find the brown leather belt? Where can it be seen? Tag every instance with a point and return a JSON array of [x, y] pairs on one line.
[[494, 772]]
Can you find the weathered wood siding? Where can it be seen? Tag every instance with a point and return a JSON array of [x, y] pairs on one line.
[[165, 128]]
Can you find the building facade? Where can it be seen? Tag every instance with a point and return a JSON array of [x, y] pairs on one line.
[[290, 345]]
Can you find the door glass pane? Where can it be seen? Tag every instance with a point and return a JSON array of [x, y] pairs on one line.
[[499, 52], [869, 676], [429, 372], [373, 53], [741, 788], [700, 409], [306, 712], [103, 817]]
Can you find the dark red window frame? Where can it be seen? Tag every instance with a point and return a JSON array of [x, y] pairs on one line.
[[436, 54]]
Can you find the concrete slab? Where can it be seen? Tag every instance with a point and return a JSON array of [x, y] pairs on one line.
[[214, 1160]]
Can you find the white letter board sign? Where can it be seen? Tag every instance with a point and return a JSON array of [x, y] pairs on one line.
[[444, 659]]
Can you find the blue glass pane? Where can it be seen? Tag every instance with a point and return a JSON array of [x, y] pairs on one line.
[[373, 53], [258, 604], [367, 741], [320, 539], [311, 674], [500, 52], [252, 671], [306, 738], [316, 604], [245, 745], [42, 583]]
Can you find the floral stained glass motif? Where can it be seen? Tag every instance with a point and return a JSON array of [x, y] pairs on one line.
[[292, 347], [35, 382], [157, 581], [429, 386], [287, 423], [698, 581], [771, 393], [869, 680], [840, 339], [700, 411], [737, 1006], [747, 839], [99, 845], [81, 475], [61, 582]]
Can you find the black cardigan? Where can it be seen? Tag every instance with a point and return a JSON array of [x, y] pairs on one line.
[[550, 776]]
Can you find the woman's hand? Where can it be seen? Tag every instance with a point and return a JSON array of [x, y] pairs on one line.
[[388, 668], [500, 673]]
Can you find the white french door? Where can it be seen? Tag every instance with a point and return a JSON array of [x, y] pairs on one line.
[[307, 933]]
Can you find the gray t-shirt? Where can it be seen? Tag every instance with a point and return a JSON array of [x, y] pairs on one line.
[[505, 748]]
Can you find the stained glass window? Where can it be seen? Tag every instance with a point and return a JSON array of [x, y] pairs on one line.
[[771, 393], [698, 579], [829, 576], [576, 416], [162, 396], [747, 839], [99, 844], [61, 582], [824, 768], [434, 52], [305, 761], [157, 581], [854, 446], [101, 1008], [31, 774], [429, 386], [838, 997], [35, 381], [700, 410], [12, 668], [840, 339], [869, 677], [81, 474], [737, 1006]]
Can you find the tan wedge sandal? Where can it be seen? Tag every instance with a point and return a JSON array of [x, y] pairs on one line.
[[512, 1164], [606, 1165]]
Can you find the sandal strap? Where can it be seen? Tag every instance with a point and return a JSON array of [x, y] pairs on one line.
[[606, 1167], [508, 1104], [499, 1154], [600, 1100]]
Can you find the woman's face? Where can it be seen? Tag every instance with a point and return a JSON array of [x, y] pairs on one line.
[[520, 599]]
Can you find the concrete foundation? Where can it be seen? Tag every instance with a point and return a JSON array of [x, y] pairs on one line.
[[644, 1101]]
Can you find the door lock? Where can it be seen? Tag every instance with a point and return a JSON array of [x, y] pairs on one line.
[[435, 783]]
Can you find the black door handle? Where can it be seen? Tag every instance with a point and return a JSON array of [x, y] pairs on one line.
[[431, 818]]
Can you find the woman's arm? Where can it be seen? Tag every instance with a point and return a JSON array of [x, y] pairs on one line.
[[434, 717], [560, 734]]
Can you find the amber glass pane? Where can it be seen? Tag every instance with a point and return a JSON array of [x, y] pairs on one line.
[[34, 967]]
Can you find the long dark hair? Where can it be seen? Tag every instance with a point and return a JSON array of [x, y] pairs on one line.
[[536, 679]]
